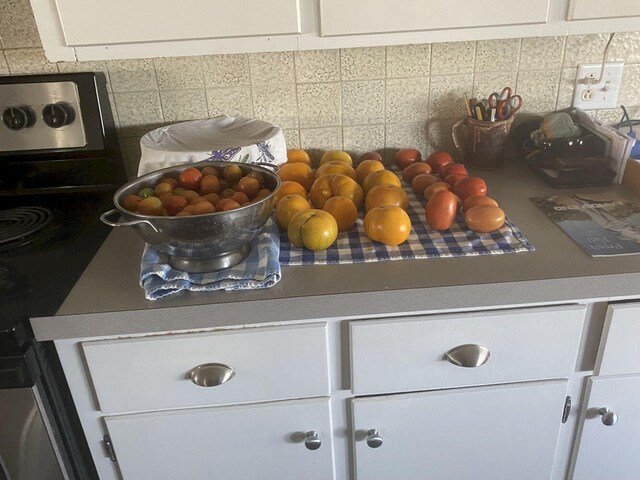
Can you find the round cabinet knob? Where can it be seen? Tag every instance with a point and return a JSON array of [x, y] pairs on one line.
[[312, 440], [374, 440], [18, 118], [57, 115], [608, 417]]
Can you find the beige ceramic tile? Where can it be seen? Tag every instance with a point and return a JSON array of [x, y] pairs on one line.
[[17, 25], [4, 68], [316, 141], [132, 75], [613, 115], [566, 87], [232, 101], [174, 73], [630, 87], [226, 70], [319, 104], [114, 110], [487, 83], [138, 112], [584, 49], [276, 104], [408, 60], [497, 55], [363, 102], [317, 66], [439, 137], [28, 61], [456, 57], [625, 47], [365, 63], [539, 90], [405, 135], [271, 68], [178, 105], [292, 137], [446, 98], [130, 148], [358, 139], [407, 99], [539, 53], [65, 67]]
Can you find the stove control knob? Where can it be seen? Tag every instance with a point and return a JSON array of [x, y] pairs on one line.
[[57, 115], [18, 118]]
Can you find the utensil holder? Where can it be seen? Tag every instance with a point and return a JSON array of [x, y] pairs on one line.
[[485, 142]]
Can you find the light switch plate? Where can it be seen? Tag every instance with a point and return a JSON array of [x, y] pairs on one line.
[[588, 95]]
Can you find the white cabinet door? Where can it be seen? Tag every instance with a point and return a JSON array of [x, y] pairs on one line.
[[610, 451], [594, 9], [226, 443], [99, 22], [502, 432], [338, 17]]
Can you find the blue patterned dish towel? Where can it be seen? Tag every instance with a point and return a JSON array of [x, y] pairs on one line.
[[261, 269]]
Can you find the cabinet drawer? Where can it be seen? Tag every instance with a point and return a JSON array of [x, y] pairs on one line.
[[151, 373], [407, 354], [618, 352]]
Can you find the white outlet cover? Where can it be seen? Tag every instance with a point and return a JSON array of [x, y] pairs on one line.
[[600, 95]]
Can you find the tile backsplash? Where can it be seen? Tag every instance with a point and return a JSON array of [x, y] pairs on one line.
[[355, 99]]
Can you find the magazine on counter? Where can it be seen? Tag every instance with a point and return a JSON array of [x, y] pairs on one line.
[[603, 224]]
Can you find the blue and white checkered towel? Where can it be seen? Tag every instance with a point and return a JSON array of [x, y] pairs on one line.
[[261, 269]]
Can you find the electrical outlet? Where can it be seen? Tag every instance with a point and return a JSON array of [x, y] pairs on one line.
[[589, 95]]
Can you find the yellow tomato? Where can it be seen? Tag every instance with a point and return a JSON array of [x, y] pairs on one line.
[[313, 229]]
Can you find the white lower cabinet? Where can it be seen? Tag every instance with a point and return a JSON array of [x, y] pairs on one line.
[[499, 432], [609, 432], [280, 440]]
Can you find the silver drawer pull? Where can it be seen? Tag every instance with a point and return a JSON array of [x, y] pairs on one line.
[[609, 418], [374, 440], [210, 374], [469, 355], [312, 440]]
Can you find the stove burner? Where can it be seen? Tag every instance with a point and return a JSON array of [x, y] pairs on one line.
[[17, 223]]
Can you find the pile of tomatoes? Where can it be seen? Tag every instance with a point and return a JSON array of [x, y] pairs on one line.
[[447, 189], [197, 191]]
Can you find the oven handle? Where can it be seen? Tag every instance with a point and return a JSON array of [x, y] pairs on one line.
[[104, 218]]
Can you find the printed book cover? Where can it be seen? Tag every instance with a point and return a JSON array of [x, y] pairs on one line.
[[603, 224]]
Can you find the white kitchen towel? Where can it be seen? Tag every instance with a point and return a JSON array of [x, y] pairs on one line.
[[219, 139], [261, 269]]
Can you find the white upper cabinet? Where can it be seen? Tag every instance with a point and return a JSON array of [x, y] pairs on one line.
[[113, 29]]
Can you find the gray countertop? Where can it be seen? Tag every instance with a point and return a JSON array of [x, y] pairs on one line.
[[107, 300]]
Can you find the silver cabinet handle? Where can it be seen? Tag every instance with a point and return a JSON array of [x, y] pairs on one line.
[[210, 374], [374, 440], [608, 417], [469, 355], [312, 440]]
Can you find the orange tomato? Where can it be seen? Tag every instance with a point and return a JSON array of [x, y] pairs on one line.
[[150, 206], [343, 210], [422, 181], [370, 156], [433, 188], [389, 225], [248, 185], [330, 185], [287, 207], [287, 187], [382, 195], [469, 186], [477, 200], [296, 155], [209, 170], [381, 177], [441, 209], [438, 159], [297, 172], [484, 218], [226, 204], [416, 168], [203, 207], [336, 166], [130, 202], [339, 155], [313, 229], [367, 166], [209, 184], [190, 178], [406, 156]]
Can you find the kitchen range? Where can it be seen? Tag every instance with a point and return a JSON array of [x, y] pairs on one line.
[[60, 166]]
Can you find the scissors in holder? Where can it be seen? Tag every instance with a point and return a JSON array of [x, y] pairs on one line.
[[504, 104]]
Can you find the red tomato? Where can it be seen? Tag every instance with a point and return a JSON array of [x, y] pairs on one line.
[[422, 181], [439, 159], [441, 210], [190, 178], [450, 168], [414, 169], [370, 156], [454, 178], [469, 186], [406, 156]]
